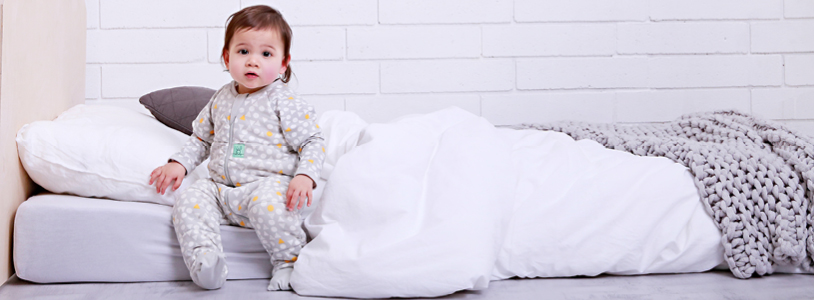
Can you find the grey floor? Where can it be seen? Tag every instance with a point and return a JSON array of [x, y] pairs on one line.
[[709, 285]]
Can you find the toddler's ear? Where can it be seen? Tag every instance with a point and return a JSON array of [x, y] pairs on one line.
[[225, 57], [285, 64]]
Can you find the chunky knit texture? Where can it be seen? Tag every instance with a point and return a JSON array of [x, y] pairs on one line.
[[754, 177]]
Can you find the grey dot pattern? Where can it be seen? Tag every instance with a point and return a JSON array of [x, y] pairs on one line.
[[196, 218], [279, 137], [260, 205], [277, 127], [754, 176]]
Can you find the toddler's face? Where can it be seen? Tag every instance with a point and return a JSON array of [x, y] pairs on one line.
[[255, 59]]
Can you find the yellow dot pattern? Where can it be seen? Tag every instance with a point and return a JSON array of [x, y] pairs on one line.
[[291, 124]]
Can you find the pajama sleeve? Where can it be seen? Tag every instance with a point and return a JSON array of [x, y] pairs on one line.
[[196, 149], [300, 130]]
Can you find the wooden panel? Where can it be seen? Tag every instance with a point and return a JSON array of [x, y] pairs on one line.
[[42, 73]]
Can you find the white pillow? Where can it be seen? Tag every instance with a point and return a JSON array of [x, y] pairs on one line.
[[341, 130], [101, 151]]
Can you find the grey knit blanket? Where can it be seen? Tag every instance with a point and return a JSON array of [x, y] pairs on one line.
[[754, 177]]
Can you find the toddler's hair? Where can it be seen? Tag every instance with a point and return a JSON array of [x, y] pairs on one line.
[[260, 17]]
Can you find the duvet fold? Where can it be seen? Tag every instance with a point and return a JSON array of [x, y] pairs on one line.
[[418, 208], [431, 204]]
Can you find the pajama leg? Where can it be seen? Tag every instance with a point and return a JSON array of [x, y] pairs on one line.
[[280, 230], [196, 217]]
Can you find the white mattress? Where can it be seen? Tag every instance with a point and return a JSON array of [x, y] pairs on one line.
[[60, 238]]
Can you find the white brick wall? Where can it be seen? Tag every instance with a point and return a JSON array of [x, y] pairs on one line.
[[683, 38], [445, 11], [146, 46], [549, 40], [783, 36], [400, 42], [581, 73], [320, 12], [510, 61], [548, 107], [165, 13], [667, 105], [428, 76], [799, 9], [800, 70], [715, 10], [580, 10]]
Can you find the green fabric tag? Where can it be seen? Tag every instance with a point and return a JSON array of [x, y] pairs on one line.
[[238, 150]]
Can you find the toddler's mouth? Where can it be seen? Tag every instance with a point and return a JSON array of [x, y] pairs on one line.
[[251, 75]]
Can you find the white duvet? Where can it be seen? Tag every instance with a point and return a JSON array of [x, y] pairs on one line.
[[431, 204]]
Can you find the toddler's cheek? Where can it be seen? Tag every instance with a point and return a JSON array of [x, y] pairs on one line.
[[270, 73], [235, 73]]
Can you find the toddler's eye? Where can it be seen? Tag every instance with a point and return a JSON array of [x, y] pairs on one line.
[[243, 51], [266, 54]]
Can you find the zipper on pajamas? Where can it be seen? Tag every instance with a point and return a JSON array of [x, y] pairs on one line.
[[238, 102]]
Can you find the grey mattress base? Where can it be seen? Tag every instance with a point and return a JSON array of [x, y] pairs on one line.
[[60, 238]]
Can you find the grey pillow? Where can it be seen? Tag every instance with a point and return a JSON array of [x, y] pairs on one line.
[[177, 107]]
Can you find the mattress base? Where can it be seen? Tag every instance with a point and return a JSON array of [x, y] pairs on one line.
[[61, 238]]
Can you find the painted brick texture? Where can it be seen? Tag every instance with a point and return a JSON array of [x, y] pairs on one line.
[[510, 61]]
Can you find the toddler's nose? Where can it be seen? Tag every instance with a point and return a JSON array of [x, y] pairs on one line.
[[251, 62]]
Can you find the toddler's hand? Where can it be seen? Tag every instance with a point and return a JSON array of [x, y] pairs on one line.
[[298, 189], [164, 175]]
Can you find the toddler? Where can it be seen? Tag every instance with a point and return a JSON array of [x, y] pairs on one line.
[[265, 150]]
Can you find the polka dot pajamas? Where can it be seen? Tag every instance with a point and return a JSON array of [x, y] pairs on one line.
[[202, 207], [256, 144]]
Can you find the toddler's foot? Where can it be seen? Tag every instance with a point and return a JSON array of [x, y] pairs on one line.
[[280, 280], [209, 271]]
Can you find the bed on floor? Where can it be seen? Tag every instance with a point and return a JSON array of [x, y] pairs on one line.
[[425, 205], [400, 206]]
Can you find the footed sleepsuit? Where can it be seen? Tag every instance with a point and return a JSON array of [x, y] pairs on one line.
[[256, 144]]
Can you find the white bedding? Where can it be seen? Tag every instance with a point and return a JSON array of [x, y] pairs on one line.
[[436, 203], [424, 206]]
